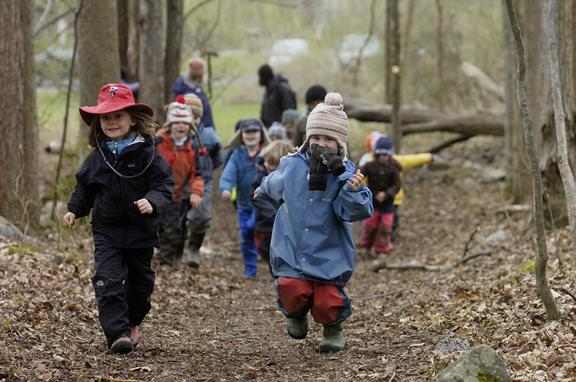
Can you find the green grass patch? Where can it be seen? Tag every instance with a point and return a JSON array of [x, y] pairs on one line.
[[226, 116]]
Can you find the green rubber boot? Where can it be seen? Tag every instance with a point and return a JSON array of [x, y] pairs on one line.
[[333, 339], [297, 328]]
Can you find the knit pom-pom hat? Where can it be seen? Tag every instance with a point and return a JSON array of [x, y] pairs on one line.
[[328, 118]]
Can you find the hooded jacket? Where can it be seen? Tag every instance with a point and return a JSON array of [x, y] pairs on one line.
[[278, 97], [312, 234], [111, 197]]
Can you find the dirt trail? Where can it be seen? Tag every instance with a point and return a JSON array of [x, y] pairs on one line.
[[213, 326]]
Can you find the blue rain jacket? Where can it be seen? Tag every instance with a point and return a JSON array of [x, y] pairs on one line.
[[240, 172], [312, 235]]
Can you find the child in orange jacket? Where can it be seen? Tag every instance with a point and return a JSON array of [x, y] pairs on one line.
[[175, 146]]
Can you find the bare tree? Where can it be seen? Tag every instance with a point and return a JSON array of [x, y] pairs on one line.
[[560, 115], [393, 69], [129, 37], [152, 55], [440, 53], [18, 147], [98, 58], [542, 286], [174, 33]]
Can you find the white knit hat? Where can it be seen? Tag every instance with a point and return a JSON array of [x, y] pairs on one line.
[[179, 112], [328, 118]]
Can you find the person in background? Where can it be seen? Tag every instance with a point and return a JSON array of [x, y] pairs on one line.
[[206, 142], [407, 162], [278, 95], [277, 132], [383, 174], [239, 173], [125, 183], [314, 95], [267, 207], [290, 120], [191, 82], [175, 146], [312, 252]]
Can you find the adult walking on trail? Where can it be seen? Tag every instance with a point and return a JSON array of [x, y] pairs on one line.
[[278, 95], [125, 183], [312, 253], [314, 95], [191, 82]]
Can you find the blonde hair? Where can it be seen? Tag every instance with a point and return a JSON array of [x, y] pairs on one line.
[[276, 150]]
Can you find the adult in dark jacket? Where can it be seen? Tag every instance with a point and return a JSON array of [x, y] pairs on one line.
[[191, 82], [124, 182], [278, 95], [314, 95]]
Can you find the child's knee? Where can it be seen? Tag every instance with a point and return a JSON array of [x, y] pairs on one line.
[[331, 305], [106, 287], [294, 294]]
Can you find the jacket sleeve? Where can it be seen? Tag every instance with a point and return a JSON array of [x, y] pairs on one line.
[[162, 184], [195, 180], [229, 178], [396, 182], [273, 184], [82, 198], [352, 205], [286, 99], [410, 161]]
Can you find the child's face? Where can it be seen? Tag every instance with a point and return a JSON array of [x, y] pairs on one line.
[[383, 158], [116, 125], [179, 130], [324, 141], [251, 138]]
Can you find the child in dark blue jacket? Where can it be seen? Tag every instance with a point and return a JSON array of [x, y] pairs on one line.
[[239, 173], [267, 207], [124, 182]]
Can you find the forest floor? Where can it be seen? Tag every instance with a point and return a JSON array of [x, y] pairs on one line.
[[211, 325]]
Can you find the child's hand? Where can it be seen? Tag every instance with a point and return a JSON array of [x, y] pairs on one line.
[[195, 200], [161, 131], [226, 195], [144, 206], [356, 182], [69, 218], [381, 196]]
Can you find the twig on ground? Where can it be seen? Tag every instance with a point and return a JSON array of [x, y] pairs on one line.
[[427, 268], [469, 241], [566, 291]]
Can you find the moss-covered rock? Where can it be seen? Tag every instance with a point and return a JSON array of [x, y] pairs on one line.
[[481, 364]]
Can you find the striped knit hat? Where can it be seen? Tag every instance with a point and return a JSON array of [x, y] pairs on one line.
[[328, 118]]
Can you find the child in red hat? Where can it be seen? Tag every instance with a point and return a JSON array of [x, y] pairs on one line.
[[124, 182]]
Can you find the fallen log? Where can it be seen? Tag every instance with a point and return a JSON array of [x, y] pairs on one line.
[[408, 114], [417, 120], [469, 125], [427, 268]]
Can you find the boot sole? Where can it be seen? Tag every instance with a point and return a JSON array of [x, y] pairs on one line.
[[122, 346], [330, 348]]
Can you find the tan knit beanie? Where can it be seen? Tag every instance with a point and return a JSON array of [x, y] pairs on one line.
[[328, 118], [195, 103]]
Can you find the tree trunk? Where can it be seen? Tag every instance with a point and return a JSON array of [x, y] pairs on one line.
[[542, 286], [152, 55], [440, 54], [394, 70], [19, 200], [128, 38], [174, 33], [530, 15], [558, 99], [98, 58]]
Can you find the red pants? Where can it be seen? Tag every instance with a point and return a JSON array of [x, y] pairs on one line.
[[328, 303], [377, 232]]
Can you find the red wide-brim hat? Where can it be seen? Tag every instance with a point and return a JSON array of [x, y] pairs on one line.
[[113, 97]]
